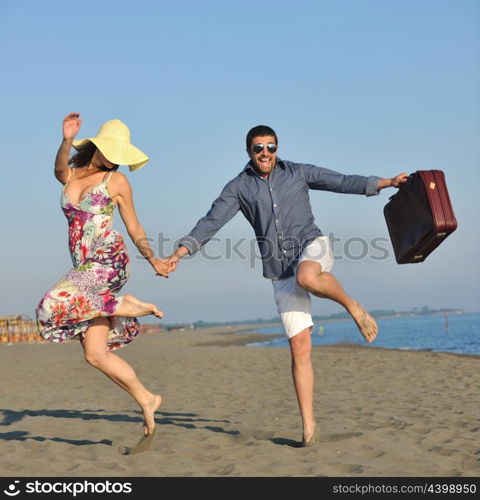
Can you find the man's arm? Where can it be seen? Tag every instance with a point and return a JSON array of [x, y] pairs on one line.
[[329, 180], [221, 211]]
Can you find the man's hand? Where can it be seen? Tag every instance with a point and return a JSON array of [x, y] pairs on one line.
[[176, 256], [163, 266], [399, 179], [392, 182], [173, 260]]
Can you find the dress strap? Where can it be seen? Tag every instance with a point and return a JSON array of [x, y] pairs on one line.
[[107, 177]]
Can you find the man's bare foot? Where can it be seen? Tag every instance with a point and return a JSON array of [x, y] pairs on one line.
[[149, 414], [366, 324]]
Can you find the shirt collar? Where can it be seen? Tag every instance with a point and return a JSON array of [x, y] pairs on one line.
[[249, 165]]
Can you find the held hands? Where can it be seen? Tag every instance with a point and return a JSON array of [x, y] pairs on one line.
[[71, 126], [163, 266]]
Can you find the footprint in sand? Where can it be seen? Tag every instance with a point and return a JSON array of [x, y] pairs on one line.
[[340, 437], [143, 444], [348, 468]]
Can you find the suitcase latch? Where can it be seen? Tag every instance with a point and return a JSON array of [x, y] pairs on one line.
[[432, 185], [441, 235], [417, 257]]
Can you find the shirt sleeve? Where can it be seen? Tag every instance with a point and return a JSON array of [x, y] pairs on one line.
[[329, 180], [221, 211]]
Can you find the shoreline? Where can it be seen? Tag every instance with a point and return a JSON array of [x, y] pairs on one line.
[[233, 335], [328, 319]]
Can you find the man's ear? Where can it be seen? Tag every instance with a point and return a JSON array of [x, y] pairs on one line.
[[248, 153]]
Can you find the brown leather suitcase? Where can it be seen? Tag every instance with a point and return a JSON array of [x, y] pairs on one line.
[[419, 216]]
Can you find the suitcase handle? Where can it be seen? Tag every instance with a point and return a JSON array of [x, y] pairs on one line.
[[401, 186]]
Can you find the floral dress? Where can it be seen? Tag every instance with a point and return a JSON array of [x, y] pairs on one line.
[[100, 269]]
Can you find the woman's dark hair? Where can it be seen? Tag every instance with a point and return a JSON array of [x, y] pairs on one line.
[[260, 131], [84, 155]]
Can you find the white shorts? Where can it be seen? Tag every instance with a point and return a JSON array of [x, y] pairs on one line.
[[293, 302]]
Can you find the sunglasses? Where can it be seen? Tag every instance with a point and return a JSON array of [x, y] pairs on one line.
[[259, 147]]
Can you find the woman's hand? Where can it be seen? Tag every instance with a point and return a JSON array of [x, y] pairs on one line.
[[71, 126]]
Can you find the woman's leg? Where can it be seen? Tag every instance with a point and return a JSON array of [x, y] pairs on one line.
[[118, 370]]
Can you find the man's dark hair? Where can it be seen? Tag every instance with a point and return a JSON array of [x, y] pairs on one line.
[[260, 131]]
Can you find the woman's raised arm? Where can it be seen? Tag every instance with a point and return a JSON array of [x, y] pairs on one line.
[[71, 126]]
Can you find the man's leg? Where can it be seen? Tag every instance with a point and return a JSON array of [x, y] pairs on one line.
[[293, 304], [303, 379], [311, 278]]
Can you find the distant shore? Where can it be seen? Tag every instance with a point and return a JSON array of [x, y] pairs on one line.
[[335, 317]]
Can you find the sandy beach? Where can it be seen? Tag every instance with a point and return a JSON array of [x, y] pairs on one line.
[[230, 410]]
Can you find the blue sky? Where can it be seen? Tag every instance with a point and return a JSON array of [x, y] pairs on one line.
[[359, 86]]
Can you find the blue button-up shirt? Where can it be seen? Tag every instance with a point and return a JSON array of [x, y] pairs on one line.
[[278, 208]]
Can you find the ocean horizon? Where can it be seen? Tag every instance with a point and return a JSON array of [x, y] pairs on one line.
[[454, 333]]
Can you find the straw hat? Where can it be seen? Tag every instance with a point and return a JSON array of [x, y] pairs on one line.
[[113, 140]]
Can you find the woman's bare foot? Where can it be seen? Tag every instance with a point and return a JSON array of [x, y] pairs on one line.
[[149, 414], [131, 306], [157, 312], [311, 438], [366, 324]]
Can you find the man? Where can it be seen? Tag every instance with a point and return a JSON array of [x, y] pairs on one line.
[[273, 195]]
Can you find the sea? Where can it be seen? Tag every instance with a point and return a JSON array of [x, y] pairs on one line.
[[455, 333]]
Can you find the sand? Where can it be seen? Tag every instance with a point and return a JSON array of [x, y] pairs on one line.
[[230, 410]]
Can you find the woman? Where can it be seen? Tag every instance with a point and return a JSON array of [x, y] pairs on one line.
[[84, 303]]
